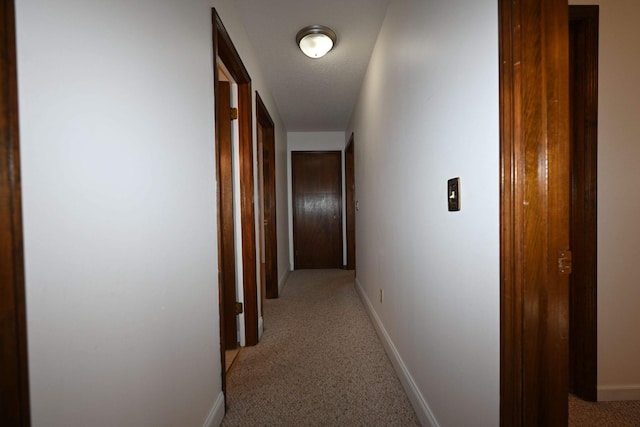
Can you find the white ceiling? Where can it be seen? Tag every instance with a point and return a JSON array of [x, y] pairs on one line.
[[313, 94]]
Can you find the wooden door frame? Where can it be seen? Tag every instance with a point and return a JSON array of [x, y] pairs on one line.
[[263, 119], [14, 378], [534, 205], [225, 52], [583, 351], [350, 180]]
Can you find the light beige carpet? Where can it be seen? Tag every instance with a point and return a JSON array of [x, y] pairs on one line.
[[603, 414], [319, 363]]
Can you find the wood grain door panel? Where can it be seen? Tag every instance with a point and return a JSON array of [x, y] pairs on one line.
[[317, 209]]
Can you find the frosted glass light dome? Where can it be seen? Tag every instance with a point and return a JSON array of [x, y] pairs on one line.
[[316, 41]]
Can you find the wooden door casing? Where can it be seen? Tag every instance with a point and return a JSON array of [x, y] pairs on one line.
[[534, 212], [317, 209]]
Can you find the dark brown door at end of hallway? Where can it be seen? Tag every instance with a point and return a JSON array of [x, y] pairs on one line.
[[317, 209]]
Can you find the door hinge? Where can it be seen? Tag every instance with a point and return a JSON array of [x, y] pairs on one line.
[[564, 262], [239, 308], [234, 114]]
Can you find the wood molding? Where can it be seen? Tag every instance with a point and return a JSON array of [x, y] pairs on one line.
[[534, 220], [14, 382]]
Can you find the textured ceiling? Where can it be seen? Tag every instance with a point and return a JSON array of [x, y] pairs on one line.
[[313, 94]]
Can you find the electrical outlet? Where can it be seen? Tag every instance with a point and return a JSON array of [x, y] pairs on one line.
[[381, 296]]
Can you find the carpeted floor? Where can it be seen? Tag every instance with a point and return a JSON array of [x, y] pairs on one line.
[[320, 362], [603, 414]]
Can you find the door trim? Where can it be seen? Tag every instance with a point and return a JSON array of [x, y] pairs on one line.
[[14, 377], [534, 223]]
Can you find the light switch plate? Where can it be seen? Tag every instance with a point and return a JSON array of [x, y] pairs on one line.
[[453, 194]]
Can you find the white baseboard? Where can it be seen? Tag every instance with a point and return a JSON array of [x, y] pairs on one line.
[[417, 400], [217, 413], [619, 392], [283, 280], [260, 327]]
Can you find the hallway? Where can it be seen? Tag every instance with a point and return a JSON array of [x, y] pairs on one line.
[[319, 362]]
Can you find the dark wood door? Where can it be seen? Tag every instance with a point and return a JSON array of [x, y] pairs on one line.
[[227, 227], [583, 78], [266, 135], [317, 209], [350, 199]]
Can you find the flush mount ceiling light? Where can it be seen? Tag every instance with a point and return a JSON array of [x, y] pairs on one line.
[[316, 41]]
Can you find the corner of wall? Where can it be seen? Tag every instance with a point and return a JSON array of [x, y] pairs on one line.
[[283, 280]]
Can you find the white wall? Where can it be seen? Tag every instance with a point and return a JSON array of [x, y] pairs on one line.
[[618, 200], [314, 141], [118, 174], [427, 112]]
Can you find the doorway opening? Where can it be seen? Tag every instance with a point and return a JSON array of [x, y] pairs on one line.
[[226, 166], [226, 57], [583, 81], [267, 190], [351, 205]]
